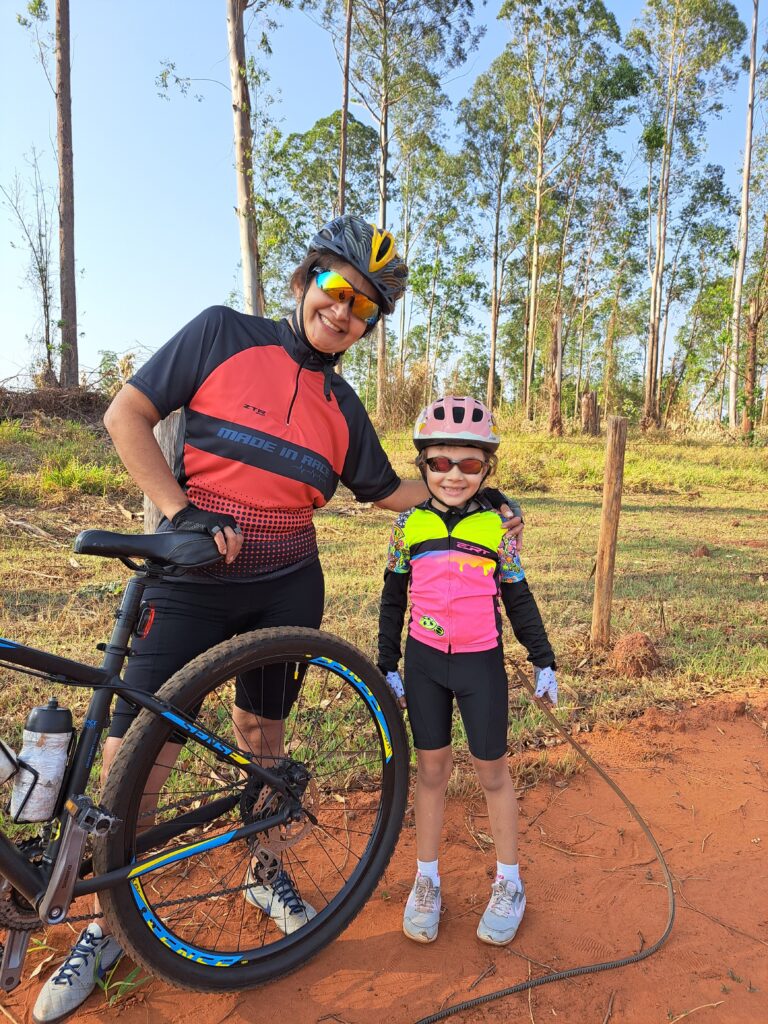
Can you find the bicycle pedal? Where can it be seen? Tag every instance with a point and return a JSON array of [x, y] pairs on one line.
[[91, 818]]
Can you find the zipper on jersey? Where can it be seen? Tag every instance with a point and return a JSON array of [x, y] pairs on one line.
[[296, 387]]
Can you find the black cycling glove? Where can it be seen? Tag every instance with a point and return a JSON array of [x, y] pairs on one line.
[[196, 520], [498, 498]]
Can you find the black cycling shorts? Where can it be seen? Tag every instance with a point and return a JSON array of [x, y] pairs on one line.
[[478, 680], [191, 617]]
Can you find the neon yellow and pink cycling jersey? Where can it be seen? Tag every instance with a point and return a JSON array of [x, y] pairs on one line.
[[456, 567]]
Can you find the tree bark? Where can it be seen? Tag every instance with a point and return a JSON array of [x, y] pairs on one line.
[[490, 386], [556, 379], [533, 294], [750, 375], [344, 113], [68, 375], [609, 530], [589, 420], [738, 284], [253, 287]]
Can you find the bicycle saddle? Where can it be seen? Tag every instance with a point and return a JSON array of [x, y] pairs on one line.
[[175, 548]]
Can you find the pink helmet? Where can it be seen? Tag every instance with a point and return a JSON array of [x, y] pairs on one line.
[[452, 420]]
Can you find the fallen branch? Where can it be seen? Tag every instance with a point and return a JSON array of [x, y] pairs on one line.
[[489, 970], [704, 1006], [10, 1016], [609, 1011], [570, 853]]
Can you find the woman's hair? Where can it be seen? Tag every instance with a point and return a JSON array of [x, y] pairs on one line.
[[298, 279]]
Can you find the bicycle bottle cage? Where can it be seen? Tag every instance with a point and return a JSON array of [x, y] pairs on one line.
[[174, 550]]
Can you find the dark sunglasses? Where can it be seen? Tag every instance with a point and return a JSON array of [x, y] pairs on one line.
[[340, 290], [469, 467]]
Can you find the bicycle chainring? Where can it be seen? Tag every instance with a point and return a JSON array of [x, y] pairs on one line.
[[15, 912]]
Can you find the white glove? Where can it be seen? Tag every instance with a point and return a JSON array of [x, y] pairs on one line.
[[546, 683], [395, 683]]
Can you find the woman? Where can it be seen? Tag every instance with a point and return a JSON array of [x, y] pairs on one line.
[[269, 431]]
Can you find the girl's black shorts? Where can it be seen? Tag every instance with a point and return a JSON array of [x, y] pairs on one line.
[[478, 680], [191, 617]]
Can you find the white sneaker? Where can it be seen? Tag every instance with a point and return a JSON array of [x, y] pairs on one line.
[[281, 901], [422, 910], [70, 985], [503, 915]]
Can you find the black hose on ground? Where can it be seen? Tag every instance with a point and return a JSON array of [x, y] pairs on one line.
[[572, 972]]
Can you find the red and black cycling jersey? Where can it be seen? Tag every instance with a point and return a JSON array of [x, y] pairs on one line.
[[269, 431]]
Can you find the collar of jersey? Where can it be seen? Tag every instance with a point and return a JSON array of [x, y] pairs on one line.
[[451, 514], [300, 350]]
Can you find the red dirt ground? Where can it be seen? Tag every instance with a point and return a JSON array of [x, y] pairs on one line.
[[699, 775]]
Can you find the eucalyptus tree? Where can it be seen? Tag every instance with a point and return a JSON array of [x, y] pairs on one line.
[[399, 47], [493, 118], [300, 189], [575, 86], [686, 49], [38, 14], [254, 131], [743, 234]]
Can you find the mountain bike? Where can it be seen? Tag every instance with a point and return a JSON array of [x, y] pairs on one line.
[[172, 859]]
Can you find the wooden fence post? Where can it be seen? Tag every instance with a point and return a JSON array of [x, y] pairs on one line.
[[167, 433], [609, 528]]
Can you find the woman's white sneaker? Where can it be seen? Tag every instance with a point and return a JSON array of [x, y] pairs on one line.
[[281, 901], [503, 915], [70, 984]]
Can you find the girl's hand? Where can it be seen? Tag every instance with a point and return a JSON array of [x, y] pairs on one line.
[[395, 683], [546, 683]]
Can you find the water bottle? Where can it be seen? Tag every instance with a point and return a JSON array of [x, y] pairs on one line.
[[47, 735]]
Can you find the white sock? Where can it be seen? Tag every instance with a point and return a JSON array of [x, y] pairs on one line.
[[428, 868], [507, 872]]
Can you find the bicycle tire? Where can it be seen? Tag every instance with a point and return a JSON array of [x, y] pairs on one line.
[[345, 727]]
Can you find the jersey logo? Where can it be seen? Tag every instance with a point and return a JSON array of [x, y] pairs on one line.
[[429, 623], [254, 408]]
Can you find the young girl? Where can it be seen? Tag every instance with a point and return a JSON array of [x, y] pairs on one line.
[[455, 555]]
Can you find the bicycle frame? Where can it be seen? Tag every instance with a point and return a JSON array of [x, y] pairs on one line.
[[31, 880]]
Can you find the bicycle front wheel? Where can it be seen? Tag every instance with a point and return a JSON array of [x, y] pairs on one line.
[[192, 920]]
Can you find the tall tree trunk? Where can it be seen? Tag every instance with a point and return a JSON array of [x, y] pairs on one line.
[[381, 369], [556, 379], [253, 287], [68, 376], [750, 376], [650, 407], [490, 386], [609, 373], [733, 369], [405, 252], [533, 294], [344, 113]]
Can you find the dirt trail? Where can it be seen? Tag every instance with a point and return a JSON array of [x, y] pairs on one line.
[[699, 775]]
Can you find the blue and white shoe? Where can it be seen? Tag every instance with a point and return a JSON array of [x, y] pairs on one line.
[[503, 915], [281, 901], [70, 984], [422, 910]]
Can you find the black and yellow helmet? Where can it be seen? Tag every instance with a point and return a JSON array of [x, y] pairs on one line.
[[370, 250]]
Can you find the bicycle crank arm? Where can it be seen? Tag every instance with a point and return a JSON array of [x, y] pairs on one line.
[[85, 818], [15, 950]]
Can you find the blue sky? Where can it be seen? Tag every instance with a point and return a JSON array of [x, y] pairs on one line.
[[155, 233]]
